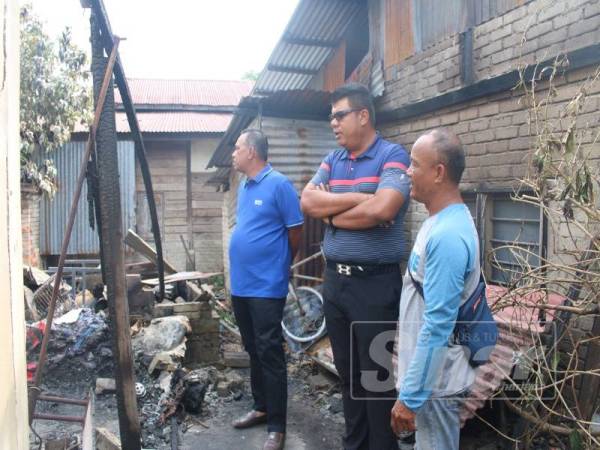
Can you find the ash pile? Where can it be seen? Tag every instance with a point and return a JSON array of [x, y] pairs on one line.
[[171, 339]]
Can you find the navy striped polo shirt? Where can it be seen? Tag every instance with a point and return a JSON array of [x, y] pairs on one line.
[[382, 166]]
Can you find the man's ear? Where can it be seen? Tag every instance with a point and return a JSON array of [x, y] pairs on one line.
[[440, 174], [364, 116]]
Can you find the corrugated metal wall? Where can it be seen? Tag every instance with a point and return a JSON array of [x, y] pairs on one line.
[[54, 213], [296, 147]]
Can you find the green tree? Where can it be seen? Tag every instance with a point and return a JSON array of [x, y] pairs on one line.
[[55, 97], [251, 75]]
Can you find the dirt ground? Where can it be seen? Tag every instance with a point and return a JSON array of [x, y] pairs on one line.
[[315, 418], [313, 421], [310, 423], [309, 427]]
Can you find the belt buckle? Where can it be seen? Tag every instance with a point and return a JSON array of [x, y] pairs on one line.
[[344, 269]]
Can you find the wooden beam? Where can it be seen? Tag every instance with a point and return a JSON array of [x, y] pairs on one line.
[[142, 247], [136, 134], [111, 242]]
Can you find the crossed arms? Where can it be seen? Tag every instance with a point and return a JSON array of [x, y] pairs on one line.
[[351, 210]]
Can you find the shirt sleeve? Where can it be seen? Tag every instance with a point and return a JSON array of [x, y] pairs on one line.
[[393, 173], [445, 271], [288, 204], [324, 172]]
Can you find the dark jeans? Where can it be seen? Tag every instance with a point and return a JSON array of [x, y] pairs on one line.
[[363, 352], [259, 320]]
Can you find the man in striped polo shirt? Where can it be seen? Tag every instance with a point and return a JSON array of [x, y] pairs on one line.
[[361, 191]]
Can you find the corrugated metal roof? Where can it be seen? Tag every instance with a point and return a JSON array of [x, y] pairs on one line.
[[291, 104], [177, 122], [313, 21], [171, 122], [222, 155], [296, 148], [186, 92]]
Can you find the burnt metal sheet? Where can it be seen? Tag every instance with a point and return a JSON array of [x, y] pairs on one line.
[[53, 213]]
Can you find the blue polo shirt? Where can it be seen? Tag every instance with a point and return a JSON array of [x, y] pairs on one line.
[[259, 250], [382, 166]]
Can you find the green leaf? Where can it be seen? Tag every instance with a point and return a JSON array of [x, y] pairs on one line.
[[555, 361], [569, 140], [54, 94], [576, 441]]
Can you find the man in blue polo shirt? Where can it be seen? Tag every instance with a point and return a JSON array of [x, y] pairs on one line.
[[361, 191], [265, 239]]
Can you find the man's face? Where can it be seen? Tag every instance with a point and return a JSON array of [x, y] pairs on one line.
[[242, 155], [424, 170], [346, 123]]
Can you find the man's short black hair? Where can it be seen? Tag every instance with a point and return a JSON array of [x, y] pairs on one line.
[[257, 139], [358, 96], [450, 151]]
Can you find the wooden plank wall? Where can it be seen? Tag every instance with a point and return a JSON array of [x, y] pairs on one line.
[[207, 207], [168, 167], [399, 42]]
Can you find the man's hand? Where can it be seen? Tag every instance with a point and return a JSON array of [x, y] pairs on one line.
[[402, 418], [381, 209], [323, 187], [317, 201]]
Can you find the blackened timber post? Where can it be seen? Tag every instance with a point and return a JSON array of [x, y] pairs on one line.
[[111, 243]]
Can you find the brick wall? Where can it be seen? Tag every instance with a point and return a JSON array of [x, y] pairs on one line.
[[496, 131], [546, 27], [30, 225]]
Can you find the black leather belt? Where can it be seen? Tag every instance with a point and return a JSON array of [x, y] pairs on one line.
[[357, 270]]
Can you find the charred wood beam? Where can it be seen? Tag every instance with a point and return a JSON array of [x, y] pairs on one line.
[[140, 150], [104, 78], [112, 247]]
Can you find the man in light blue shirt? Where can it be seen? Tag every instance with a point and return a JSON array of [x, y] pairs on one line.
[[434, 372], [265, 239]]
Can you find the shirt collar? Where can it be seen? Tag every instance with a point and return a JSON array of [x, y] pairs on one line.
[[260, 175], [370, 153]]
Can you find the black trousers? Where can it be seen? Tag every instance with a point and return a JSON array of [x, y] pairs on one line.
[[259, 320], [361, 313]]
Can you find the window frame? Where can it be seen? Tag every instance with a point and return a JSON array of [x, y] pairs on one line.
[[485, 221]]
